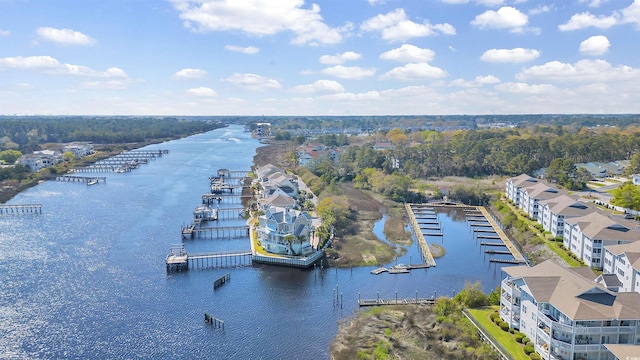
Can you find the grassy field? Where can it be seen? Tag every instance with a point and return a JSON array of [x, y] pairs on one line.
[[505, 338]]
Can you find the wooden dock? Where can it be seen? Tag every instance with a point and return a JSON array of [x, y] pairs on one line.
[[403, 301], [218, 232], [21, 209], [484, 243], [505, 239], [487, 236], [177, 259], [422, 243], [89, 180], [501, 252], [210, 260]]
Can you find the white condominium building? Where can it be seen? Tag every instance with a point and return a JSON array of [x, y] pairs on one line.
[[566, 314]]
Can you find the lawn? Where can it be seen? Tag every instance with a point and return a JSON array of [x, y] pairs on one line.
[[505, 338]]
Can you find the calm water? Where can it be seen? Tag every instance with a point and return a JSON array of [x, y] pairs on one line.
[[87, 279]]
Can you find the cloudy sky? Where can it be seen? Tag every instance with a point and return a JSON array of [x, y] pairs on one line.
[[326, 57]]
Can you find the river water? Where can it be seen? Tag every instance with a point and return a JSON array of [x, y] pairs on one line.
[[87, 279]]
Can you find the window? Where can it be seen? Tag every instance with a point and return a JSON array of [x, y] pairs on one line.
[[524, 309], [621, 260], [597, 241], [621, 272]]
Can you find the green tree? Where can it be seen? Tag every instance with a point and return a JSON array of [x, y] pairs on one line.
[[627, 195], [68, 156], [10, 156]]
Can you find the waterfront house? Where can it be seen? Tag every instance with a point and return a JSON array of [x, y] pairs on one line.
[[278, 199], [285, 231], [587, 235], [565, 313], [280, 181], [623, 261], [40, 159], [79, 149], [635, 178], [263, 172], [515, 186], [552, 212]]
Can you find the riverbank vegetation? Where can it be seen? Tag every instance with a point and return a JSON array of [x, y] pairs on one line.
[[110, 135], [440, 331]]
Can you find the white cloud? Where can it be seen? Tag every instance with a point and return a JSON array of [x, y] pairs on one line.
[[516, 55], [253, 82], [202, 92], [64, 36], [582, 71], [349, 72], [594, 3], [541, 9], [249, 50], [478, 81], [50, 65], [113, 84], [258, 18], [319, 87], [489, 3], [628, 15], [522, 88], [375, 2], [408, 53], [506, 17], [339, 58], [595, 45], [189, 74], [631, 14], [414, 72], [5, 32], [395, 26], [365, 96], [586, 19]]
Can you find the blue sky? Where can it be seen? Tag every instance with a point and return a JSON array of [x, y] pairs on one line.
[[328, 57]]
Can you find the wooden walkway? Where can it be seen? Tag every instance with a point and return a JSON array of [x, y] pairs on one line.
[[89, 180], [218, 232], [422, 243], [397, 301], [517, 256]]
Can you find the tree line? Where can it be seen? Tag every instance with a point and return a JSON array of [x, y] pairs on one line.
[[27, 134], [475, 153]]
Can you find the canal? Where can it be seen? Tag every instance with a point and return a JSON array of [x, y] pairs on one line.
[[87, 279]]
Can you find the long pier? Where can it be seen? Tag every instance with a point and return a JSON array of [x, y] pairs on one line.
[[396, 301], [422, 243], [517, 256], [193, 231], [219, 259], [89, 180], [21, 209], [178, 259]]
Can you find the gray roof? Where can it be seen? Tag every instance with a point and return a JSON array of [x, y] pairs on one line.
[[567, 206], [599, 226], [631, 250], [523, 180], [576, 296], [624, 351]]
